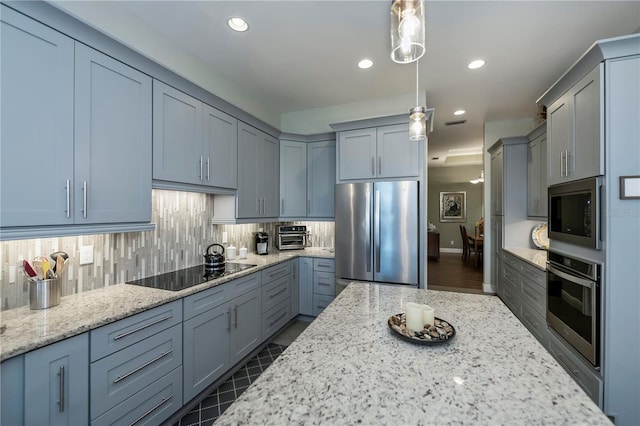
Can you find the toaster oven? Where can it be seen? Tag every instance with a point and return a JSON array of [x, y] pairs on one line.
[[292, 237]]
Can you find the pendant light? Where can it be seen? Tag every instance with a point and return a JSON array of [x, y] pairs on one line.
[[417, 117], [407, 30]]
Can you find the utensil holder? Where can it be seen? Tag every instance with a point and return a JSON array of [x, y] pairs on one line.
[[44, 294]]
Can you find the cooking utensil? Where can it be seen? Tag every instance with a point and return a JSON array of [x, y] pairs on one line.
[[28, 269], [47, 273], [212, 260], [54, 257], [59, 265]]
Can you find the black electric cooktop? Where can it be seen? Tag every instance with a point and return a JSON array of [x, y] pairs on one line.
[[185, 278]]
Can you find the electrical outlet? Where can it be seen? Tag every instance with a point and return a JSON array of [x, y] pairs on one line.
[[225, 237], [86, 255], [452, 243]]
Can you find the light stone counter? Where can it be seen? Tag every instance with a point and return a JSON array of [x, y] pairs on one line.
[[347, 368], [28, 329], [537, 258]]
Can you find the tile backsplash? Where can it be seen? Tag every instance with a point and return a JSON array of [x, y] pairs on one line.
[[183, 232]]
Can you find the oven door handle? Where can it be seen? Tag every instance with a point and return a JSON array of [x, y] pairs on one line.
[[577, 280]]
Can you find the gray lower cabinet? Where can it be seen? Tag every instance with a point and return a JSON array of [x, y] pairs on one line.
[[275, 318], [245, 325], [12, 391], [295, 288], [305, 285], [56, 383], [276, 297], [320, 302], [317, 285]]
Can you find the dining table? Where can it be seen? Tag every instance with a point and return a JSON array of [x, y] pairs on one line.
[[478, 242]]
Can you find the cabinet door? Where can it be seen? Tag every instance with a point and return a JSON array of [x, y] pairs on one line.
[[177, 136], [497, 165], [37, 123], [268, 178], [293, 179], [537, 178], [305, 281], [588, 132], [357, 152], [496, 253], [57, 383], [560, 140], [246, 331], [295, 287], [221, 148], [397, 155], [12, 391], [206, 349], [248, 204], [321, 179], [112, 140]]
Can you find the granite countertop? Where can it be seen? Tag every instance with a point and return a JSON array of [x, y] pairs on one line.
[[28, 329], [347, 367], [535, 257]]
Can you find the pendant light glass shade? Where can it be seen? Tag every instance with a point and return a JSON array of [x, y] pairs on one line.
[[407, 30], [417, 123]]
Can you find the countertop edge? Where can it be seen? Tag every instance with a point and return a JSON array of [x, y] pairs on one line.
[[532, 256]]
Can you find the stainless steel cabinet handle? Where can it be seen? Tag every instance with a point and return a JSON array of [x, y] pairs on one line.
[[208, 170], [146, 364], [561, 164], [201, 177], [61, 402], [128, 333], [235, 316], [373, 166], [84, 198], [68, 198], [566, 163], [278, 293], [323, 265], [152, 409], [379, 165], [277, 319], [258, 205], [228, 320], [324, 284], [263, 209]]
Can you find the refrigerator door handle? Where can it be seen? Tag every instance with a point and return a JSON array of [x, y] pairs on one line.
[[378, 237], [367, 224]]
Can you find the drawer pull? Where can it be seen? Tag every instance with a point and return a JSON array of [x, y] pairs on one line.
[[278, 293], [229, 320], [321, 307], [323, 265], [146, 364], [235, 316], [61, 402], [154, 408], [282, 315], [128, 333], [324, 284]]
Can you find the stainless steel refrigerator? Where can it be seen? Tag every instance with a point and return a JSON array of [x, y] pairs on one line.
[[377, 232]]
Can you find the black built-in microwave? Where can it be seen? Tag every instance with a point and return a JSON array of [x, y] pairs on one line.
[[574, 212]]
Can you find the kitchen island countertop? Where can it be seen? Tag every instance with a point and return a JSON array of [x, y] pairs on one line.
[[347, 367], [27, 329]]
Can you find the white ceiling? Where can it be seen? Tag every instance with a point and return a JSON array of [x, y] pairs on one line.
[[301, 55]]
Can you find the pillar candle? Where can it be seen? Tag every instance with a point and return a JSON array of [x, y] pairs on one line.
[[428, 315], [414, 316]]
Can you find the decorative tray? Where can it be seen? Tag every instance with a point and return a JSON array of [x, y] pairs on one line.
[[540, 237], [437, 334]]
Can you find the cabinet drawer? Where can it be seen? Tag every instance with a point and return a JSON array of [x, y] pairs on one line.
[[534, 274], [275, 319], [582, 373], [511, 260], [533, 295], [121, 375], [320, 301], [151, 406], [511, 279], [325, 265], [203, 301], [275, 292], [510, 298], [536, 324], [275, 272], [120, 334], [242, 285], [324, 283]]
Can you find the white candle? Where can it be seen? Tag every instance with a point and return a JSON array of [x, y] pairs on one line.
[[428, 315], [414, 316]]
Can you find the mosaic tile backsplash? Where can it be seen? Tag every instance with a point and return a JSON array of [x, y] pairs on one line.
[[183, 232]]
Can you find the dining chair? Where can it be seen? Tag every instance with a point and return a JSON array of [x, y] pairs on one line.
[[465, 242]]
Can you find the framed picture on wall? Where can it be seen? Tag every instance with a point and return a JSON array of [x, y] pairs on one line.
[[453, 206]]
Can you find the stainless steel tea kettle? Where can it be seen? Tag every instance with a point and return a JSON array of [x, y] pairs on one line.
[[214, 260]]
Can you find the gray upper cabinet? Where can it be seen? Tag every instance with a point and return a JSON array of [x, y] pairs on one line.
[[177, 136], [112, 140], [537, 173], [574, 131], [321, 179], [57, 383], [257, 195], [220, 148], [293, 179], [377, 153], [496, 182], [37, 123]]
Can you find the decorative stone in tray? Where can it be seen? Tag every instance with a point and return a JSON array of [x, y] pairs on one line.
[[438, 333]]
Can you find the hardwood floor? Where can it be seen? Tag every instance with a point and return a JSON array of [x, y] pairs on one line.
[[451, 273]]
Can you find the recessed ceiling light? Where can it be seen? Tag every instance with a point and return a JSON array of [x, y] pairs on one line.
[[365, 64], [474, 65], [238, 24], [459, 112]]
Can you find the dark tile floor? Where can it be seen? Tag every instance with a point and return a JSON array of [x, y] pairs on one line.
[[220, 399]]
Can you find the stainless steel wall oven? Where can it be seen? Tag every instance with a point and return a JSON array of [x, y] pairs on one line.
[[574, 303]]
